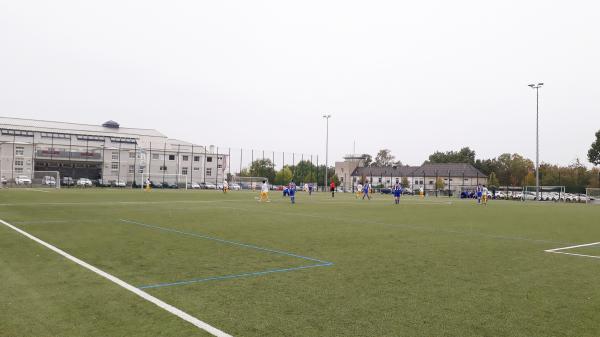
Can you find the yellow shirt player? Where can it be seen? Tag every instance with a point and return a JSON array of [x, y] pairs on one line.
[[359, 190], [264, 191]]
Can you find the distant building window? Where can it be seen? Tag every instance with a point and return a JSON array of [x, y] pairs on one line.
[[184, 170], [132, 155], [219, 166], [196, 169], [114, 166], [115, 156], [19, 151], [185, 158], [209, 159], [19, 162], [155, 156], [131, 169], [208, 171], [196, 158], [431, 182], [171, 157], [141, 170], [163, 168]]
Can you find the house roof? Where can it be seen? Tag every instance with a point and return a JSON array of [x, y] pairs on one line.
[[445, 169], [75, 128], [386, 171], [429, 170]]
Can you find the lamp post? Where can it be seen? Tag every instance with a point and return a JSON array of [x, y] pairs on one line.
[[537, 138], [326, 147]]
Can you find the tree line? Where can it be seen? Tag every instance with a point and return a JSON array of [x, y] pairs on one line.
[[504, 170], [302, 172]]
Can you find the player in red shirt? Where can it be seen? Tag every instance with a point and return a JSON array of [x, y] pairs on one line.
[[332, 189]]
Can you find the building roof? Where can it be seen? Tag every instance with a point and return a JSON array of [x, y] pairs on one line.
[[386, 171], [428, 170], [75, 128], [445, 169]]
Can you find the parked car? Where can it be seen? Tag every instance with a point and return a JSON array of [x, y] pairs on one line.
[[121, 183], [211, 186], [67, 181], [220, 186], [155, 185], [22, 180], [385, 190], [49, 181], [194, 186], [4, 181], [169, 185], [101, 183], [235, 187], [84, 182]]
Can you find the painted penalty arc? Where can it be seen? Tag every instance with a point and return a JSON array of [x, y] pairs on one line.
[[161, 304]]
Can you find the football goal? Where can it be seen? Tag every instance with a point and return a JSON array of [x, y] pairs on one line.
[[50, 179], [248, 183], [165, 180], [592, 196], [546, 193]]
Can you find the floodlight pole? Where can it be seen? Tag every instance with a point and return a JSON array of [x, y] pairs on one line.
[[326, 148], [537, 138]]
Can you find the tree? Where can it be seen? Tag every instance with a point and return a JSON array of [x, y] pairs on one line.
[[284, 176], [512, 169], [262, 168], [368, 159], [439, 184], [304, 172], [486, 166], [529, 179], [464, 155], [493, 180], [384, 158], [404, 182], [594, 152]]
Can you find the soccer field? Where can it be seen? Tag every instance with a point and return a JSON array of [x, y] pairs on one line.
[[321, 267]]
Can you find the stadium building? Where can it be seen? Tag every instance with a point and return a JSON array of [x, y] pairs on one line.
[[108, 154]]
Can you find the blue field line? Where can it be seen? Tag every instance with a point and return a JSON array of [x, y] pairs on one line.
[[225, 241], [225, 277], [320, 263]]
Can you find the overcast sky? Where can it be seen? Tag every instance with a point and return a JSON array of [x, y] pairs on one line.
[[411, 76]]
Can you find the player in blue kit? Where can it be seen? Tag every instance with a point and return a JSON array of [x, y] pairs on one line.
[[366, 190], [292, 191], [397, 190]]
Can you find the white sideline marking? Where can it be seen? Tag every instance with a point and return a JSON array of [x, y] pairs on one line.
[[83, 203], [34, 190], [571, 247], [559, 250], [175, 311]]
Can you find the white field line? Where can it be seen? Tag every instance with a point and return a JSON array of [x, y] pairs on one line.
[[554, 250], [592, 256], [33, 190], [114, 203], [173, 310]]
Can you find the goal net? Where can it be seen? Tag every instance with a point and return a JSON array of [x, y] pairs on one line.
[[248, 183], [592, 195], [165, 180], [546, 193], [47, 179]]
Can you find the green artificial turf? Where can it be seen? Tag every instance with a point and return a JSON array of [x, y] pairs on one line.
[[322, 267]]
